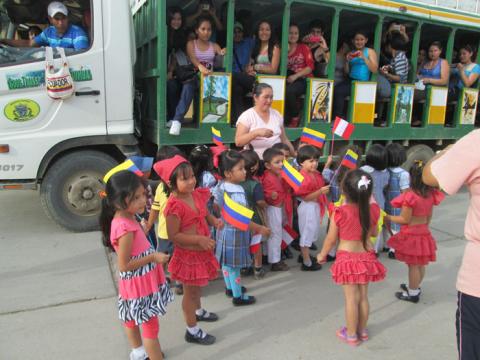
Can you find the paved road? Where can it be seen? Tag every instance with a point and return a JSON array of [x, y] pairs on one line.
[[58, 301]]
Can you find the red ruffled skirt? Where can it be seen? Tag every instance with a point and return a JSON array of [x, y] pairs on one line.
[[414, 245], [357, 268], [192, 267]]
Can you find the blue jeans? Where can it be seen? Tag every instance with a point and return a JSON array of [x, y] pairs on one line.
[[186, 97]]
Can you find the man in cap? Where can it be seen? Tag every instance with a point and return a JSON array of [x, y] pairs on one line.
[[59, 34]]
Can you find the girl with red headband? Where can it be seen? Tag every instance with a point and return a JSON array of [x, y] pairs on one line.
[[193, 262]]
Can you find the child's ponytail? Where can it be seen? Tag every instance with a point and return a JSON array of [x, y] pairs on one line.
[[106, 217], [416, 183], [357, 187]]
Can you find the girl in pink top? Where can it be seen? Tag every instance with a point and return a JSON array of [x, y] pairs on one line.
[[414, 244], [356, 264], [143, 291]]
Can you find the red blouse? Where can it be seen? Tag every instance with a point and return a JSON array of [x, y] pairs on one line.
[[347, 218], [189, 217], [300, 59], [311, 183], [420, 206]]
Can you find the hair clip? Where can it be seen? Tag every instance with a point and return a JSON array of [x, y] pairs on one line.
[[364, 181], [419, 162], [102, 194]]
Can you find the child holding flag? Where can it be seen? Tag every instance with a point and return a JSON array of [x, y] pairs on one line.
[[312, 204], [233, 240], [279, 209]]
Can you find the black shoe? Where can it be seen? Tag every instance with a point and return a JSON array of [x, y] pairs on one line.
[[246, 271], [331, 258], [313, 247], [314, 267], [288, 253], [300, 259], [412, 298], [229, 293], [241, 301], [391, 254], [295, 245], [212, 317], [385, 249], [199, 338], [280, 266], [404, 287], [264, 260]]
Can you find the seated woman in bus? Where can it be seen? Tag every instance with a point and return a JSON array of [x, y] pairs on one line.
[[397, 70], [299, 67], [318, 46], [176, 51], [265, 59], [361, 63], [435, 71], [260, 127], [201, 52], [465, 73]]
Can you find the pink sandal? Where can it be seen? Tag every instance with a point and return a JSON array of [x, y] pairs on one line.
[[350, 340], [363, 335]]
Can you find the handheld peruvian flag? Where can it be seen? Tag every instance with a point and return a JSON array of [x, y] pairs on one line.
[[343, 128], [288, 236], [255, 243]]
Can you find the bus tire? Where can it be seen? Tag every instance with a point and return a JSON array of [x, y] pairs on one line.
[[69, 192], [418, 152]]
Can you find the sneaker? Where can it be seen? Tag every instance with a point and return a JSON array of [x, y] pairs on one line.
[[363, 335], [201, 338], [404, 287], [391, 254], [405, 296], [229, 292], [350, 340], [331, 258], [212, 317], [244, 300], [314, 267], [142, 356], [259, 274], [288, 253], [168, 124], [175, 128], [280, 266], [313, 247]]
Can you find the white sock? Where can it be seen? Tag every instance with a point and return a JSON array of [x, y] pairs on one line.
[[307, 262], [203, 312], [413, 292], [194, 331], [139, 352]]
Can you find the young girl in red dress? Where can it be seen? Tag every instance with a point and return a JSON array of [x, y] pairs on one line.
[[193, 262], [414, 244], [356, 264]]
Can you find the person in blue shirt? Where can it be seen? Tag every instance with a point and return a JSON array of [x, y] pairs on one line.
[[59, 34], [466, 72]]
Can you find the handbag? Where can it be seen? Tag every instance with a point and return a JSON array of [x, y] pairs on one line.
[[185, 73], [59, 83]]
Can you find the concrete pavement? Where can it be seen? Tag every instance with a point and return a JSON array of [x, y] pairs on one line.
[[57, 301]]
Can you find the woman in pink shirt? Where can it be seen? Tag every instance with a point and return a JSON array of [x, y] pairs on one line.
[[455, 166], [261, 126]]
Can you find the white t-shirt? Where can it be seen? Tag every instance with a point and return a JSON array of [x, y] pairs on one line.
[[252, 121]]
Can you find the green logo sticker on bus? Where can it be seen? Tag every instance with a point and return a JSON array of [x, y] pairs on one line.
[[21, 110]]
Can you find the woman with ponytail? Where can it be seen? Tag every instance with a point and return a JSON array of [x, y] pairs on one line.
[[356, 264]]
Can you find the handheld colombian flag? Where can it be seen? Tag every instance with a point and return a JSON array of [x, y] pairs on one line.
[[235, 214], [350, 160], [288, 235], [217, 137], [291, 175], [343, 128], [313, 137], [126, 165]]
